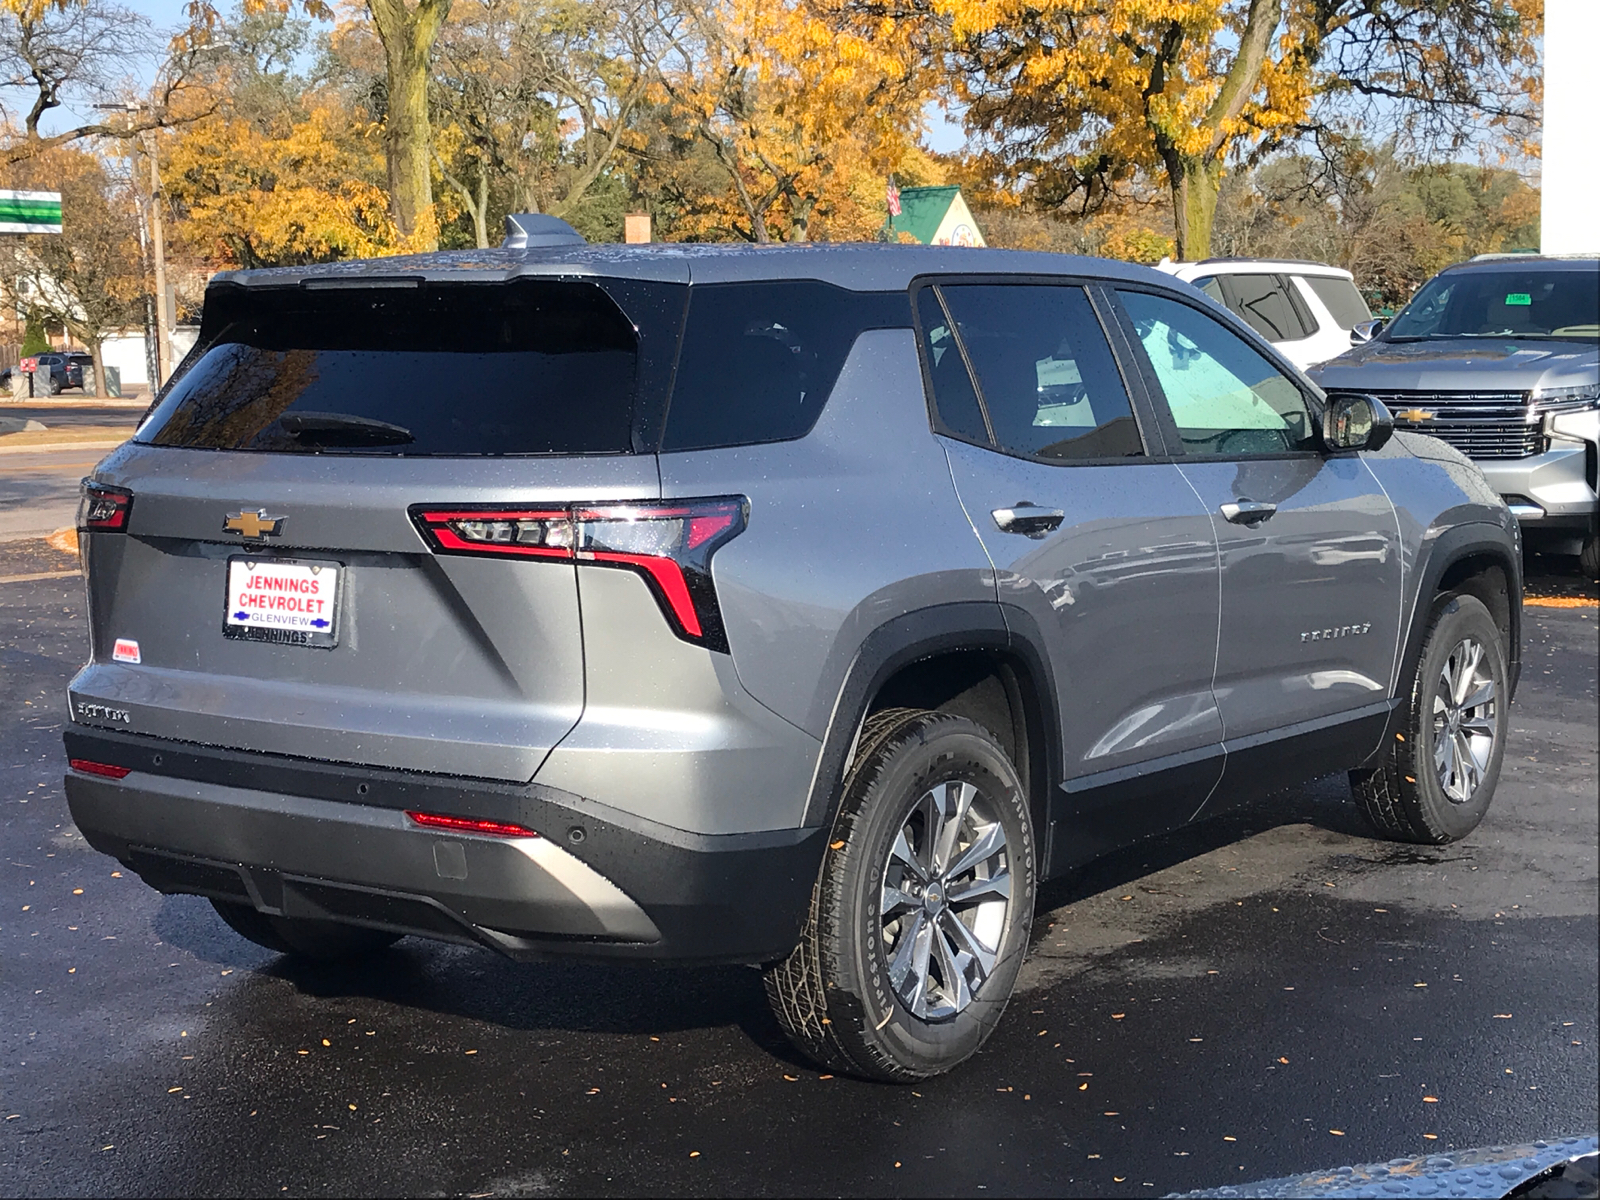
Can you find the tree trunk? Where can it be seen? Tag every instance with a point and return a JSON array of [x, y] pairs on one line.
[[99, 368], [1195, 184], [408, 35]]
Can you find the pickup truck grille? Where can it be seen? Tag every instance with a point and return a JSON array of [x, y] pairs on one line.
[[1479, 424]]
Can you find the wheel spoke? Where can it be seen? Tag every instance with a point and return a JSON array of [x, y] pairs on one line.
[[902, 853], [958, 796], [1471, 771], [996, 886], [1441, 752], [956, 991], [1471, 654], [895, 902], [980, 954], [1478, 749], [990, 842], [921, 947], [1483, 694], [905, 951], [1479, 727]]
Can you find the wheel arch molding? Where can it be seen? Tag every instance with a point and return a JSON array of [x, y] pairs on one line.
[[1462, 555], [943, 650]]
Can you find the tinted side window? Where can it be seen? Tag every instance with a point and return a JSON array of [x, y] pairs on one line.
[[1045, 372], [953, 394], [1224, 397], [1344, 303], [1211, 286], [759, 359], [1265, 306], [451, 369]]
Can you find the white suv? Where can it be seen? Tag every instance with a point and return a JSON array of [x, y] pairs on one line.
[[1308, 310]]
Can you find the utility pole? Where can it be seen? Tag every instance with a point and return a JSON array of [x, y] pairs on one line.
[[158, 248]]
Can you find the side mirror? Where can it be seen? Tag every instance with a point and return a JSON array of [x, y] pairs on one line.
[[1355, 422], [1365, 331]]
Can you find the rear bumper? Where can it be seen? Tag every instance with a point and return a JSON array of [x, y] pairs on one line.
[[307, 840]]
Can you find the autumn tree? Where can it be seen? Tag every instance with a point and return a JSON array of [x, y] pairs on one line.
[[1072, 99], [534, 97], [806, 105], [88, 278], [282, 168]]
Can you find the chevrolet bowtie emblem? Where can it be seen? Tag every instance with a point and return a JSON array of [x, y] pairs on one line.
[[1415, 415], [253, 524]]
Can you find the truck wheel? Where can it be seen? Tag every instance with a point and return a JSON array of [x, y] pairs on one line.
[[1589, 556], [919, 919], [1438, 775], [323, 941]]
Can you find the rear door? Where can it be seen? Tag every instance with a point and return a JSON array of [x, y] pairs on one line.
[[288, 469], [1108, 555], [1309, 547]]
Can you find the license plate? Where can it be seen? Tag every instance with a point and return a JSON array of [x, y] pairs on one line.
[[288, 601]]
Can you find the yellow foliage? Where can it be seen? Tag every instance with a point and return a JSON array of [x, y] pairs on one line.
[[308, 188], [808, 106]]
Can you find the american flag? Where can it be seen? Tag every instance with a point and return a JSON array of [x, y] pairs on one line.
[[894, 199]]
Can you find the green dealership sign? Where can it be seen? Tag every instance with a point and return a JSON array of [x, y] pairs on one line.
[[30, 212]]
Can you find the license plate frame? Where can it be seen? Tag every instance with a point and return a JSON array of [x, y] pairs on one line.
[[252, 622]]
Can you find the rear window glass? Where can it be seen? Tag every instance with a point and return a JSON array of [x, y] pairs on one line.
[[759, 359], [1344, 303], [532, 367], [1264, 303]]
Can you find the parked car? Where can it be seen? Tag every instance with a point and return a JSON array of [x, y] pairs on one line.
[[1500, 357], [66, 370], [1310, 311], [801, 606]]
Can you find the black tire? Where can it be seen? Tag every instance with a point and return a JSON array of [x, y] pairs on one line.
[[836, 995], [322, 941], [1589, 556], [1404, 797]]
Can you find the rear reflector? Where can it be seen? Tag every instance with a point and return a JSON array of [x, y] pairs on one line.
[[669, 544], [94, 768], [104, 508], [467, 825]]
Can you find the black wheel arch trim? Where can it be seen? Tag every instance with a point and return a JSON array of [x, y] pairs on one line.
[[925, 633], [1444, 550]]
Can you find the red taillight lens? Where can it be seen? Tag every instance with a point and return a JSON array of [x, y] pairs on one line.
[[468, 825], [669, 544], [521, 533], [104, 508], [96, 768]]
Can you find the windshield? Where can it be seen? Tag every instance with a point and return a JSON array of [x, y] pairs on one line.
[[1518, 302]]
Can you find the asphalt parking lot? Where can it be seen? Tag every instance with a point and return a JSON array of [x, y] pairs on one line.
[[1262, 995]]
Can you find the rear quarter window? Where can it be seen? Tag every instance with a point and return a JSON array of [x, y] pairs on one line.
[[532, 367], [1343, 302], [759, 359]]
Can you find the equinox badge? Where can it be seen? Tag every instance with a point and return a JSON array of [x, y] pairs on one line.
[[253, 525]]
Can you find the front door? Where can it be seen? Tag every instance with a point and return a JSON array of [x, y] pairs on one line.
[[1106, 554], [1309, 548]]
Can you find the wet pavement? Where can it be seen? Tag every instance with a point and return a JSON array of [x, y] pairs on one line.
[[1262, 995]]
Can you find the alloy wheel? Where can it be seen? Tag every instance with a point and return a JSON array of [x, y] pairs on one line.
[[946, 897], [1465, 713]]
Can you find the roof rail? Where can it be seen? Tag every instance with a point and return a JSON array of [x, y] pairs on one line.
[[528, 231]]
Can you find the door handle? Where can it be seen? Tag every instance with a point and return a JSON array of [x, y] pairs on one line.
[[1247, 512], [1027, 519]]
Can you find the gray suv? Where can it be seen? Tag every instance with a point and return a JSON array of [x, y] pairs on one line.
[[1500, 357], [803, 607]]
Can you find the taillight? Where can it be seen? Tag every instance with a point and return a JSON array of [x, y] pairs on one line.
[[468, 825], [104, 508], [668, 543], [89, 767]]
